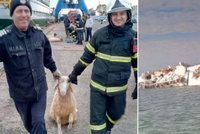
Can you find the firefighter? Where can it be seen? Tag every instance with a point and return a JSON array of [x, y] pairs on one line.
[[114, 50], [25, 51], [79, 30], [67, 25]]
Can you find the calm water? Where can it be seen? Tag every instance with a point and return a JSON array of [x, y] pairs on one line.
[[170, 111]]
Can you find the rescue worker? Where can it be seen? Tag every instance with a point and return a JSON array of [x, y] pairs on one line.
[[67, 25], [114, 49], [25, 51], [79, 30]]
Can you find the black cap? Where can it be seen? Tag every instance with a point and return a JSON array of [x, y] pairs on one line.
[[15, 3], [118, 6]]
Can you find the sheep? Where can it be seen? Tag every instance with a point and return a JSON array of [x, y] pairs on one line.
[[63, 107], [196, 73]]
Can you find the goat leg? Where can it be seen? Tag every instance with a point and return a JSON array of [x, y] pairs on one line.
[[59, 128], [74, 117], [70, 121], [59, 125]]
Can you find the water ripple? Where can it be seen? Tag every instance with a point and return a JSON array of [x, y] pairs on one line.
[[169, 111]]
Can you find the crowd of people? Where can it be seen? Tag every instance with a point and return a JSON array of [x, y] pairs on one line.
[[77, 26]]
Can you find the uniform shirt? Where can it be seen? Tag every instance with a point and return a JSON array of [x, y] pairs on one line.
[[79, 25], [24, 56]]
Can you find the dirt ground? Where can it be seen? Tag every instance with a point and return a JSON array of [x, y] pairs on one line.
[[65, 55]]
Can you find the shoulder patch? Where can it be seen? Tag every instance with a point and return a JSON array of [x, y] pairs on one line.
[[37, 28], [4, 32], [134, 49]]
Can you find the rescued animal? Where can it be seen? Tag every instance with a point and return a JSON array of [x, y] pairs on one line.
[[164, 77], [63, 107]]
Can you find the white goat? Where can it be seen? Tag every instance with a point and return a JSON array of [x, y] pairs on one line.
[[63, 107]]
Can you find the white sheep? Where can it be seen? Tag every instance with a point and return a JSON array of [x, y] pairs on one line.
[[63, 107]]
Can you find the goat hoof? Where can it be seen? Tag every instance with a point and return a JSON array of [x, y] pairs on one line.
[[69, 126]]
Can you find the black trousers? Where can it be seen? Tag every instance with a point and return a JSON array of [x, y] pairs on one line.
[[79, 37], [88, 33], [105, 111], [32, 114]]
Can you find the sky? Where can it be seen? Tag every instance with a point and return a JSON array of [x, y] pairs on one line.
[[93, 3], [169, 33]]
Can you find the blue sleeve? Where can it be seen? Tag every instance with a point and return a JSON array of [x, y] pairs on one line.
[[48, 59], [89, 52], [134, 52], [87, 57], [134, 55], [2, 50]]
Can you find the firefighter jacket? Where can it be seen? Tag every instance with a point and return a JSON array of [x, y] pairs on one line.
[[114, 52], [24, 56], [79, 24]]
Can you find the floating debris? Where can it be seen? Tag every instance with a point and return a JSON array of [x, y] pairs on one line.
[[194, 75], [180, 75]]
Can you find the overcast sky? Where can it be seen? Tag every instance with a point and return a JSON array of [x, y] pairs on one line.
[[94, 3], [169, 32]]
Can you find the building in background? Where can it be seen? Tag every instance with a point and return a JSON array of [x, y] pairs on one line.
[[41, 12], [70, 4]]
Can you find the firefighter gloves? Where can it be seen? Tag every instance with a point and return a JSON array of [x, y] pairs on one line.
[[73, 78], [134, 94]]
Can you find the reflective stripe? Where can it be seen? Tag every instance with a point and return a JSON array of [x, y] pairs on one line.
[[90, 48], [135, 56], [98, 127], [83, 62], [98, 86], [79, 28], [135, 69], [112, 121], [113, 58], [2, 32], [116, 89], [108, 89]]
